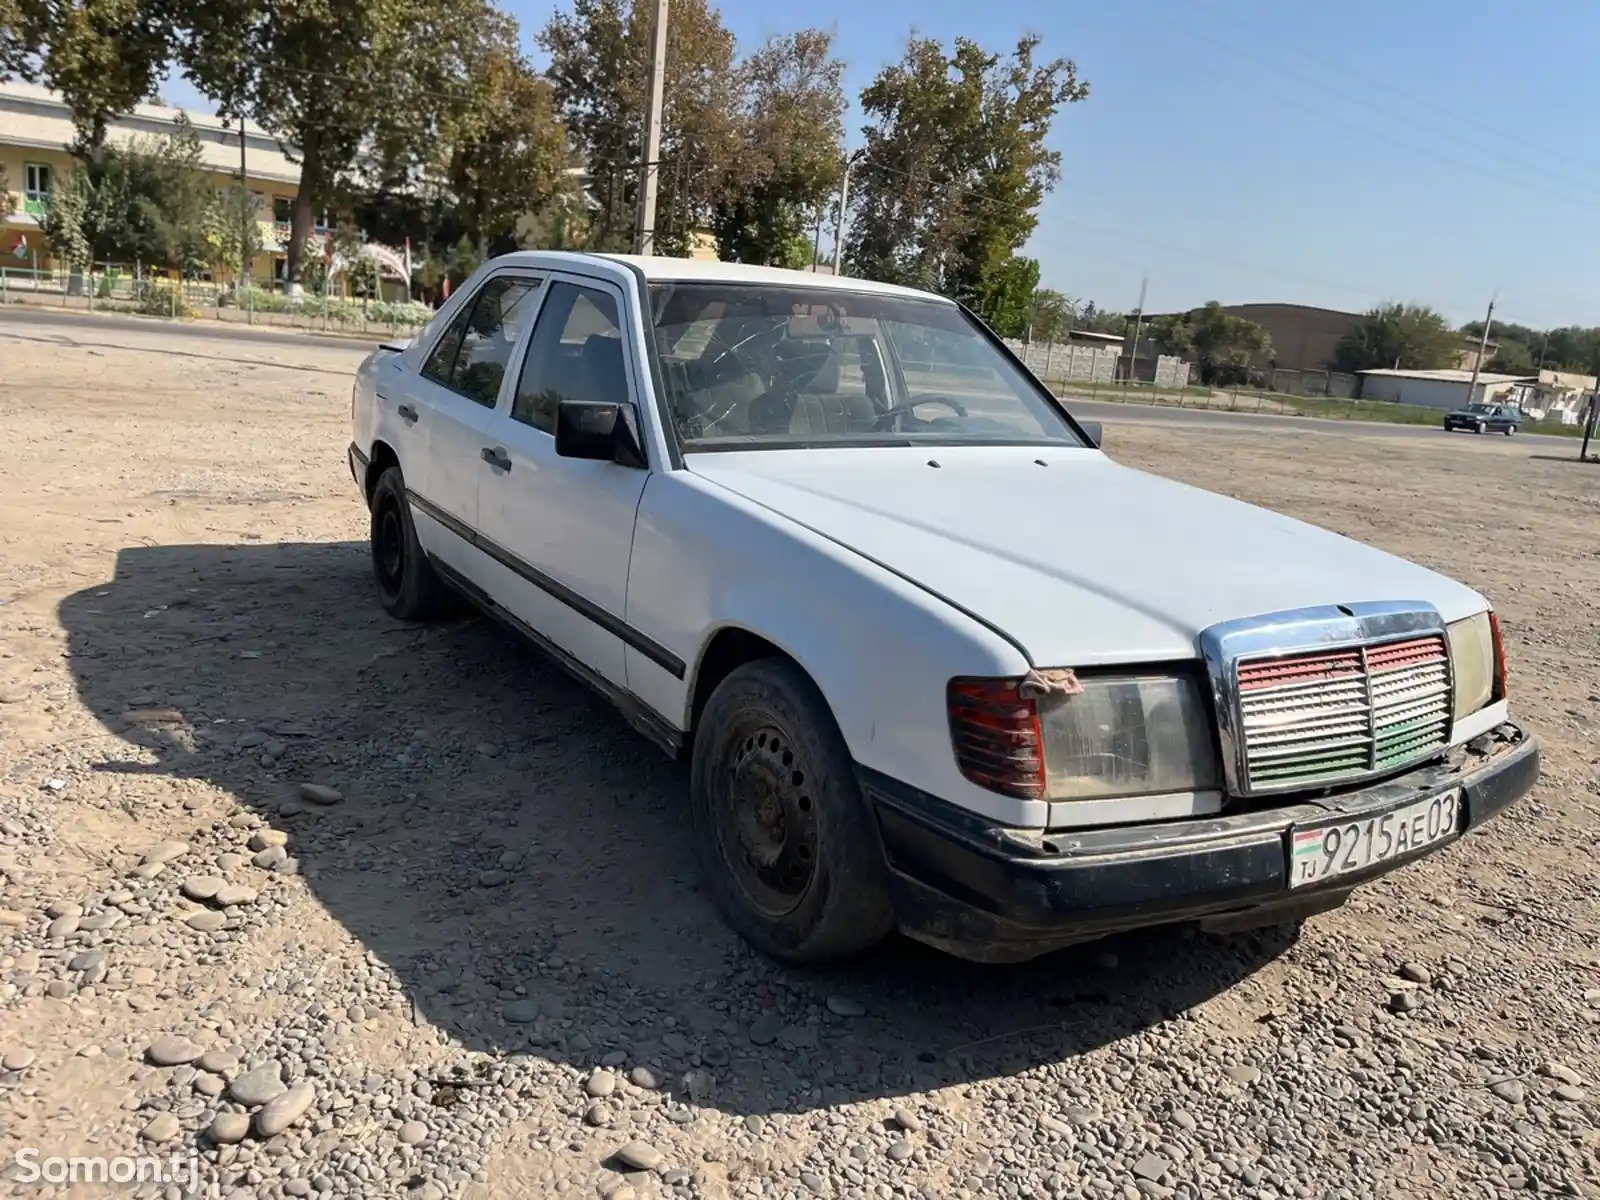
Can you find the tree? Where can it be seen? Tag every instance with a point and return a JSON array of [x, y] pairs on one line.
[[232, 230], [509, 161], [792, 129], [146, 202], [1222, 344], [1004, 295], [332, 78], [1512, 358], [955, 167], [1051, 317], [599, 66], [1409, 336], [103, 56]]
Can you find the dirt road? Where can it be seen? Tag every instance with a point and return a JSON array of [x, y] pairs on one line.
[[484, 962]]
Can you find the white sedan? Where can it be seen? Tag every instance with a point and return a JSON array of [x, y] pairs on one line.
[[938, 663]]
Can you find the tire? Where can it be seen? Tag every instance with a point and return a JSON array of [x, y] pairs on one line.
[[1479, 428], [1510, 429], [408, 588], [790, 855]]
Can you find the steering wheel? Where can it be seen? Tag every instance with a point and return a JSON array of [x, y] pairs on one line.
[[889, 417]]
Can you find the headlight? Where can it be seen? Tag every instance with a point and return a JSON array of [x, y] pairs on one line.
[[1472, 663], [1127, 737]]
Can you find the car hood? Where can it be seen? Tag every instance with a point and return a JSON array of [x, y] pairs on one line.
[[1076, 558]]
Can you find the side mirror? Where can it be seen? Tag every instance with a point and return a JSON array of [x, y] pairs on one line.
[[599, 430], [1093, 429]]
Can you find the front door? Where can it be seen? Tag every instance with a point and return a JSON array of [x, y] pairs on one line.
[[559, 530], [455, 396]]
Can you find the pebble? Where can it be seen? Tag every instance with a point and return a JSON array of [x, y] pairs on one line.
[[413, 1133], [521, 1012], [252, 738], [900, 1151], [171, 1050], [644, 1077], [1151, 1166], [261, 839], [765, 1029], [641, 1156], [320, 793], [599, 1115], [1571, 1093], [202, 887], [61, 908], [62, 927], [1404, 1002], [218, 1062], [234, 894], [907, 1120], [258, 1086], [86, 961], [283, 1111], [601, 1084], [1244, 1076], [271, 858], [12, 918], [163, 852], [493, 877], [228, 1127], [1416, 973], [163, 1127], [18, 1059], [1561, 1073], [843, 1006], [1509, 1090], [206, 922]]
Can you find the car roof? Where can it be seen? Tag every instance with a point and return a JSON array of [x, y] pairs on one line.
[[661, 269]]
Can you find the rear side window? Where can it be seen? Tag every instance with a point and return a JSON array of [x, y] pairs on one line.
[[472, 354], [575, 354]]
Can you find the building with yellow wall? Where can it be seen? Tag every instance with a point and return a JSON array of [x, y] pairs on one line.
[[36, 129]]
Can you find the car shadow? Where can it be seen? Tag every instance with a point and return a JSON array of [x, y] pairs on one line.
[[503, 828]]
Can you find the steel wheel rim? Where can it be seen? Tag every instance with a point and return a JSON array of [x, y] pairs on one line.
[[389, 547], [766, 818]]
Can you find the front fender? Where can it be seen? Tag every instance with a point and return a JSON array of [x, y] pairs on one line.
[[880, 648]]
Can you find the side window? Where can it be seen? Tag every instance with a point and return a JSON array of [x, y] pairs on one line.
[[470, 356], [490, 336], [575, 354]]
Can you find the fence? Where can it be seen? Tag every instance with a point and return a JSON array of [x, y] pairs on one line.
[[1066, 362], [110, 287]]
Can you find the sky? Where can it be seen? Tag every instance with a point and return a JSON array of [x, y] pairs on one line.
[[1338, 155]]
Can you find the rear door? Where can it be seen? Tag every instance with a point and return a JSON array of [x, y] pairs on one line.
[[455, 395], [560, 529]]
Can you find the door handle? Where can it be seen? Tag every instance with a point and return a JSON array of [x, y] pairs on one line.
[[407, 414], [496, 457]]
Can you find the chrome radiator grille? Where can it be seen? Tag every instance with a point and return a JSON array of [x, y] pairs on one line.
[[1330, 715]]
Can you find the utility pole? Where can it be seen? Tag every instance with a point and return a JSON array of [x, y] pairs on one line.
[[1591, 415], [838, 226], [644, 229], [1138, 324], [245, 213], [1483, 345]]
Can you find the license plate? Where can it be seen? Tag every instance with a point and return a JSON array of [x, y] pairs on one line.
[[1333, 848]]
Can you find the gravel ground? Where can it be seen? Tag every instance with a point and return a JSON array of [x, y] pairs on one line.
[[358, 909]]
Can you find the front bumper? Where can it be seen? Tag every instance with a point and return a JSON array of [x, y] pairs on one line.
[[997, 894]]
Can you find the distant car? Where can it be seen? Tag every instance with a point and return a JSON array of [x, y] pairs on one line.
[[1484, 418]]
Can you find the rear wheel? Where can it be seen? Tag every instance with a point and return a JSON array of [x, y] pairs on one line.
[[1510, 429], [1479, 427], [408, 587], [787, 847]]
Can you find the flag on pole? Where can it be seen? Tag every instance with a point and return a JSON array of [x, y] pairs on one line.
[[19, 248]]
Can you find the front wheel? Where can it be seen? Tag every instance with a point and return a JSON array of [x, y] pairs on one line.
[[1510, 429], [787, 847], [1479, 427], [408, 588]]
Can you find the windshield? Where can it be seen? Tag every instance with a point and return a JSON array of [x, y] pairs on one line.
[[753, 366], [1481, 408]]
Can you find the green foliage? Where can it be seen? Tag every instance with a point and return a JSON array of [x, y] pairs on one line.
[[1570, 348], [792, 124], [1005, 293], [1221, 344], [1512, 358], [164, 299], [1406, 336], [1096, 320], [1051, 316], [104, 290], [232, 230], [145, 202], [956, 166], [599, 66]]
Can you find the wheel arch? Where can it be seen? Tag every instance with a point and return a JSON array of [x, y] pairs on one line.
[[725, 651], [382, 458]]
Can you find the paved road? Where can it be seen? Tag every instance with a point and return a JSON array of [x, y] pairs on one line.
[[70, 323], [74, 322], [1100, 410]]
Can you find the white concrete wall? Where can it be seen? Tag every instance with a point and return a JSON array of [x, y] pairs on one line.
[[1443, 394]]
